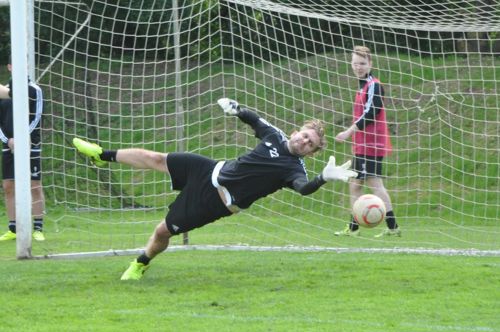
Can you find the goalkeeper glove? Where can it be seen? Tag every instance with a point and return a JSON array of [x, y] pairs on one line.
[[229, 106], [333, 172]]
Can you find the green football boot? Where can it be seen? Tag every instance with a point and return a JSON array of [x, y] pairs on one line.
[[389, 232], [38, 236], [8, 236], [348, 232], [134, 271]]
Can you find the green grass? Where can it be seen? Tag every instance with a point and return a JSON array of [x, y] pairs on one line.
[[90, 232], [244, 291]]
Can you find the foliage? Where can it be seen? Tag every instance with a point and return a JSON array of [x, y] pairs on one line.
[[135, 25], [4, 34]]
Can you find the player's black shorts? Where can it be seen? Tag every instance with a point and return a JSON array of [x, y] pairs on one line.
[[367, 166], [199, 202], [8, 165]]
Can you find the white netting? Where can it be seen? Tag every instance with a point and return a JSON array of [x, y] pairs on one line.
[[146, 74]]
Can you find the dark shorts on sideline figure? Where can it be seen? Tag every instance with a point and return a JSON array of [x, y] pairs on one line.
[[367, 166], [8, 165], [198, 202]]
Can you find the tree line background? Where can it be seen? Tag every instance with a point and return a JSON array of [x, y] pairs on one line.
[[130, 31]]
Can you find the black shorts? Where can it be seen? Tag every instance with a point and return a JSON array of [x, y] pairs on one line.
[[199, 202], [8, 165], [367, 166]]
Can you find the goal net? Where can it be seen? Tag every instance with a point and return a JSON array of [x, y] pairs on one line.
[[148, 74]]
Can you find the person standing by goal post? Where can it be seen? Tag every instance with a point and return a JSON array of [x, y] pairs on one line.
[[210, 190], [8, 147], [370, 139]]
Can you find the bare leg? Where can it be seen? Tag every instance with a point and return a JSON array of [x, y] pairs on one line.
[[158, 241], [355, 189], [143, 159], [38, 199], [377, 187], [10, 203]]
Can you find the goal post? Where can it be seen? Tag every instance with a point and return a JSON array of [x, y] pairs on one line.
[[19, 20], [145, 74]]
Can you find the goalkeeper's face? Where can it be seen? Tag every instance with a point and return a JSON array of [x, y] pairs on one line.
[[360, 66], [304, 142]]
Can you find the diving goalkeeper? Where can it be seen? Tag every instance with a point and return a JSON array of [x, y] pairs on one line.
[[210, 190]]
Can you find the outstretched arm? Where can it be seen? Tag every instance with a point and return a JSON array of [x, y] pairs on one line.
[[231, 107], [305, 187], [331, 172]]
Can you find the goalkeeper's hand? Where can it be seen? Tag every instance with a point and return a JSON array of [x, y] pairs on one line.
[[229, 106], [333, 172]]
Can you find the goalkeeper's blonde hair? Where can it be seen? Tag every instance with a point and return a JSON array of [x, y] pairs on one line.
[[319, 128]]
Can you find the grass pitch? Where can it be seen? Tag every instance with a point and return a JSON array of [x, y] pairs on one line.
[[254, 291]]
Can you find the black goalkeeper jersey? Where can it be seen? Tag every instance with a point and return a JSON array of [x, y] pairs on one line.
[[264, 170]]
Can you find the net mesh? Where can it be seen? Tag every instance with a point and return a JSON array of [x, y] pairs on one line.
[[148, 74]]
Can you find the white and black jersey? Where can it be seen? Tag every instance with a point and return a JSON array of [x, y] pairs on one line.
[[35, 116], [7, 132], [267, 168]]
